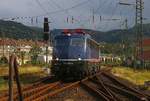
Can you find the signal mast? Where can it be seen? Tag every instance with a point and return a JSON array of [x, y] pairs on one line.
[[139, 31], [46, 36], [138, 55]]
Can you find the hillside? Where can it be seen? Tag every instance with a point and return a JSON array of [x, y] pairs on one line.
[[19, 31]]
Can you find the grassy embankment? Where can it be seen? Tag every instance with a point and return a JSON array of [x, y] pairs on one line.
[[137, 77], [28, 74]]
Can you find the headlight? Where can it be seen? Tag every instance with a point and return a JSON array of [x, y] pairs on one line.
[[57, 59], [69, 34], [79, 59]]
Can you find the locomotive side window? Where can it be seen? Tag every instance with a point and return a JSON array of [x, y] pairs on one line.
[[77, 42], [92, 44], [94, 48]]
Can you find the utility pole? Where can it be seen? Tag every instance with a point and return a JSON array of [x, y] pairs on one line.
[[3, 39], [126, 24], [138, 54], [93, 17], [139, 32], [124, 38]]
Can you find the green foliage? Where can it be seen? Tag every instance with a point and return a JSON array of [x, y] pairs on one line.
[[34, 52], [3, 60], [22, 56], [111, 63], [19, 31], [118, 49], [117, 42], [136, 76], [25, 72]]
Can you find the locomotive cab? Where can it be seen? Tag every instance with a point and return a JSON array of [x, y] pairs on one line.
[[72, 56]]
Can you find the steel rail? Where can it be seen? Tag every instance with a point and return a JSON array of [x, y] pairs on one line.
[[38, 94], [30, 86], [123, 84], [104, 87], [133, 95], [46, 96], [110, 91], [30, 91], [96, 91]]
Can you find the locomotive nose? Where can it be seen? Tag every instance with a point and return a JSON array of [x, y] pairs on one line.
[[61, 52]]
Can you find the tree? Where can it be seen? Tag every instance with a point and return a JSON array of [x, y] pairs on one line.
[[3, 60], [34, 52], [22, 55]]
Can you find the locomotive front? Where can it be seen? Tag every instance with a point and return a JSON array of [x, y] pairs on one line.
[[68, 55]]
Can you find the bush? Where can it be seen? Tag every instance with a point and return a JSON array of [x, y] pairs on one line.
[[3, 60]]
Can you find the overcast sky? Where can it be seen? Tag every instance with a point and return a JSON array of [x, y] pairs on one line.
[[82, 11]]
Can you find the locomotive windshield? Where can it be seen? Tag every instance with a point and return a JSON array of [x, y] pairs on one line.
[[69, 47], [69, 41], [77, 42], [61, 42]]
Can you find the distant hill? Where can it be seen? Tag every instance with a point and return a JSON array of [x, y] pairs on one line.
[[19, 31]]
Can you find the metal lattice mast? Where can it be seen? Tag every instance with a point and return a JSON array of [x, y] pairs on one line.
[[139, 29]]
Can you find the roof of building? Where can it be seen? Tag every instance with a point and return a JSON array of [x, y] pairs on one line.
[[146, 55], [146, 42], [23, 42]]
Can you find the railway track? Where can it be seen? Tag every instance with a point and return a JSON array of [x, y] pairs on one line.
[[38, 82], [4, 95], [110, 88], [104, 86]]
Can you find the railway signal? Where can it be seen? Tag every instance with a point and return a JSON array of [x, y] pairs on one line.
[[46, 30], [100, 18], [46, 36]]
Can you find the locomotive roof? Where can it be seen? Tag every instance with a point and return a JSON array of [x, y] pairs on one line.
[[73, 35]]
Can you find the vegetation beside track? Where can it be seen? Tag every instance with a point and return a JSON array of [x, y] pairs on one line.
[[28, 75], [22, 69], [135, 76]]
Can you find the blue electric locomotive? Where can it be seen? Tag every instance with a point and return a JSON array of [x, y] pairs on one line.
[[75, 55]]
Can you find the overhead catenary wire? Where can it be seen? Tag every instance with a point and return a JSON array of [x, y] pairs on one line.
[[41, 6], [38, 2], [48, 13], [111, 16], [66, 12], [98, 10], [66, 9], [125, 12], [71, 18]]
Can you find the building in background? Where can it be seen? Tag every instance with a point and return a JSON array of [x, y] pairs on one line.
[[146, 51], [9, 46]]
